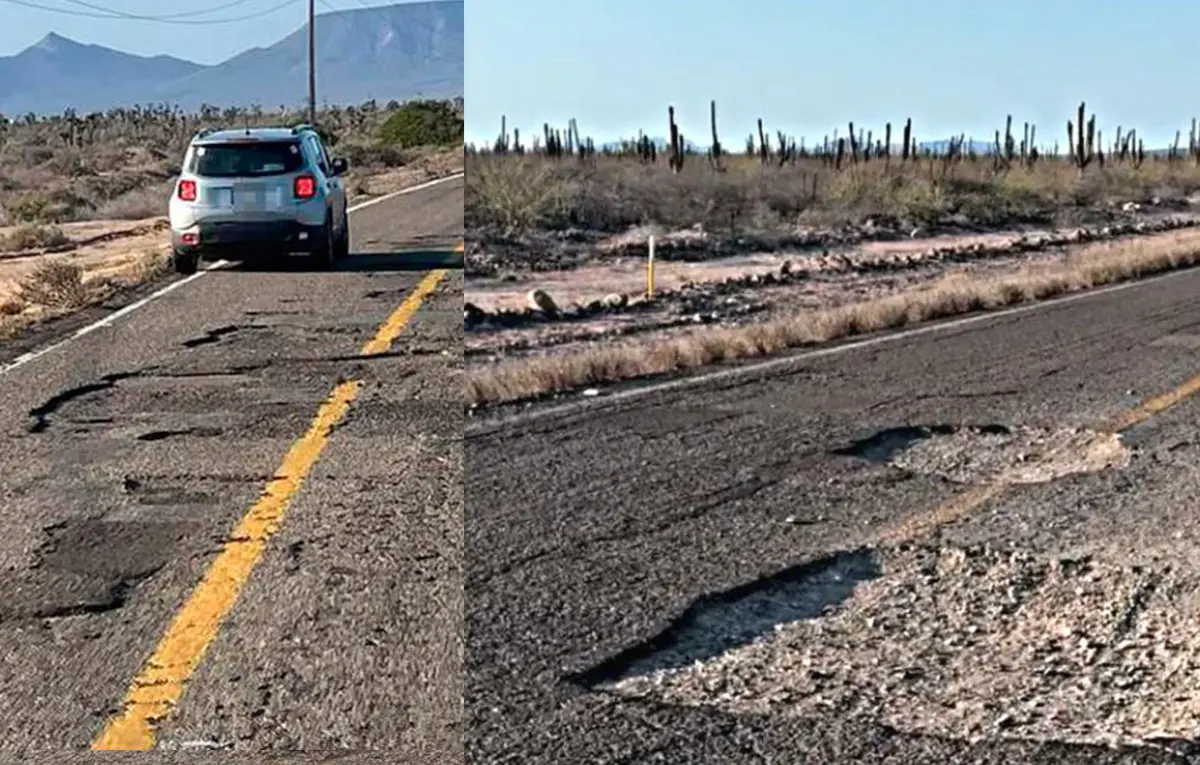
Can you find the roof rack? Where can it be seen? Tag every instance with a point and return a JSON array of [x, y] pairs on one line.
[[301, 128]]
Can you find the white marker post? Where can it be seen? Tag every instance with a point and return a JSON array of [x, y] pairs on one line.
[[650, 270]]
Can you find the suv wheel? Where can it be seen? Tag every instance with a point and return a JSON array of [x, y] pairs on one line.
[[185, 263], [342, 249], [325, 253]]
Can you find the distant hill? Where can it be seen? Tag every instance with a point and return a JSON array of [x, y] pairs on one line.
[[389, 52]]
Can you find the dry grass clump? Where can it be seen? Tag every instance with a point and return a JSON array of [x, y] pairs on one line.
[[953, 295], [30, 236], [60, 285], [56, 283], [12, 305]]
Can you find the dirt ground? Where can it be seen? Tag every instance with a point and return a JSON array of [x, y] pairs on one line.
[[106, 251], [834, 280], [434, 165]]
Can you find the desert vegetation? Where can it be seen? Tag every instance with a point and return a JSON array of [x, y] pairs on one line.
[[785, 242], [561, 180]]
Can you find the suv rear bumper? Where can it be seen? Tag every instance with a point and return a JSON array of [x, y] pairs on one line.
[[243, 236]]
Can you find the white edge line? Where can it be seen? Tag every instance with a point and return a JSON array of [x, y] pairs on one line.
[[409, 190], [494, 424], [25, 358]]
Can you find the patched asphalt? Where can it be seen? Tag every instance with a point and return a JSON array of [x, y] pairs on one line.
[[130, 453], [595, 537]]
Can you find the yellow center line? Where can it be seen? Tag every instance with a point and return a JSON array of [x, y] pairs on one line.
[[958, 506], [395, 323], [156, 690], [1151, 407], [964, 504]]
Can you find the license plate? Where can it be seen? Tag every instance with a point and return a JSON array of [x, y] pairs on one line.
[[221, 196], [260, 199]]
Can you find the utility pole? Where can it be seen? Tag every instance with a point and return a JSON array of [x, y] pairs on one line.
[[312, 62]]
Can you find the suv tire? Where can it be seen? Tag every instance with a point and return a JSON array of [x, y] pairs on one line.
[[325, 253], [342, 248], [184, 262]]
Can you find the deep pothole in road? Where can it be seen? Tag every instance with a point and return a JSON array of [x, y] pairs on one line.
[[982, 453], [725, 621], [958, 642], [88, 566]]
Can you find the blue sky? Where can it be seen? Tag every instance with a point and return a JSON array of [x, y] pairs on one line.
[[206, 44], [807, 67]]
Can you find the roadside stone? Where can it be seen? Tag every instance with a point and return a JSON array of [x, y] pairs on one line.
[[473, 315], [540, 300]]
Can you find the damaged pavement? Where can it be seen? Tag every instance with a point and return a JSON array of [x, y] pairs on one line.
[[970, 545], [130, 453]]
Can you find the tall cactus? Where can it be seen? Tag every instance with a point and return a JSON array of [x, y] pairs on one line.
[[1082, 146], [764, 148], [676, 157], [715, 152]]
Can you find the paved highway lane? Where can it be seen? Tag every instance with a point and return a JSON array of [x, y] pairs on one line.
[[619, 538], [169, 581]]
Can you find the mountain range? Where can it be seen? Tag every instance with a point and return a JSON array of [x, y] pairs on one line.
[[410, 50]]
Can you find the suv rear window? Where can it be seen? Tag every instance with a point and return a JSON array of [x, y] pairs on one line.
[[227, 160]]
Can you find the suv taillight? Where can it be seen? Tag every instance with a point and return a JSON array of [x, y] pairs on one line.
[[305, 187], [187, 191]]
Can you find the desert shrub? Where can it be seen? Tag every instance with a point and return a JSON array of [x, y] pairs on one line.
[[137, 203], [362, 154], [516, 195], [55, 283], [51, 206], [30, 236], [423, 123]]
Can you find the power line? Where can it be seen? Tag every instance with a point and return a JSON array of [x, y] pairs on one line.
[[171, 19], [165, 17], [335, 9]]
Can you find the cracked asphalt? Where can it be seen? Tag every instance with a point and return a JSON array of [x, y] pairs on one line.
[[131, 452], [597, 537]]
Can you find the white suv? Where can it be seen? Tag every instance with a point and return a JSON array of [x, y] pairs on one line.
[[259, 193]]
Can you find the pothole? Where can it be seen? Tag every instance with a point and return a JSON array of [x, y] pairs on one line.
[[978, 454], [725, 621], [211, 336], [162, 435], [87, 567], [970, 643]]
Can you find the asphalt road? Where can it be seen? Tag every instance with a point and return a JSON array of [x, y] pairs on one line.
[[590, 531], [130, 454]]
